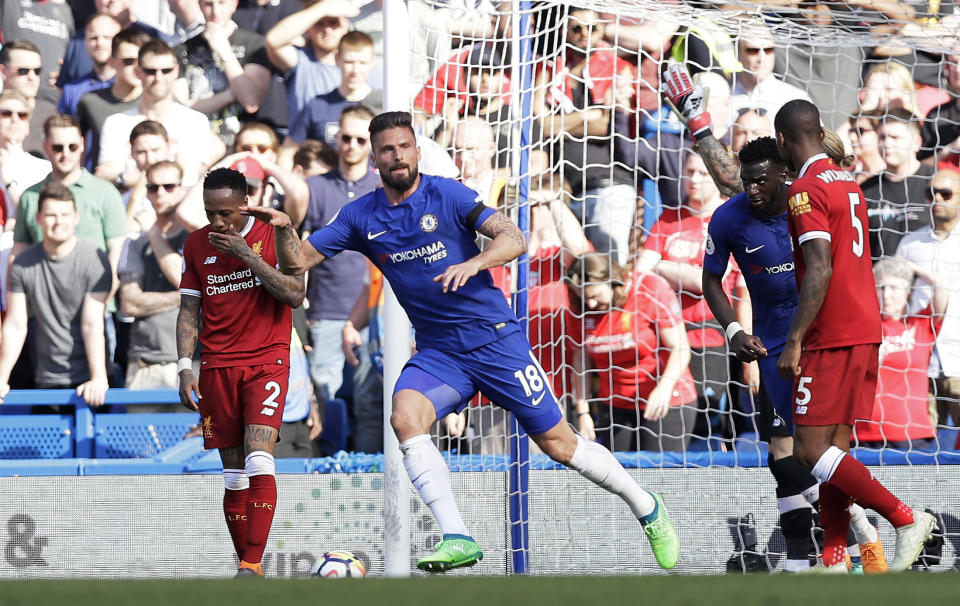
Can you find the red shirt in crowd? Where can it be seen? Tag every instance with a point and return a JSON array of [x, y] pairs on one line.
[[450, 79], [681, 238], [602, 65], [243, 324], [826, 202], [900, 410], [625, 347]]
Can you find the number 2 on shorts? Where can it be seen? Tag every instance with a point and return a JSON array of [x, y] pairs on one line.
[[270, 404]]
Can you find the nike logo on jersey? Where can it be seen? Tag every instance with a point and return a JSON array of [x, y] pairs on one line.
[[753, 250], [209, 260], [371, 236], [536, 400]]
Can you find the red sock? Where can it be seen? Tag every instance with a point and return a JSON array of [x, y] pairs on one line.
[[261, 501], [855, 480], [835, 519], [235, 512]]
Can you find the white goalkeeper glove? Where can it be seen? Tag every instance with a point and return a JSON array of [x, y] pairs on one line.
[[687, 99]]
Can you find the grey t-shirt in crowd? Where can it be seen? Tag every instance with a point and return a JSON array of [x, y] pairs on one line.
[[55, 290], [153, 338]]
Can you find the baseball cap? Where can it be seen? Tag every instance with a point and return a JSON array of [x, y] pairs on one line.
[[251, 169], [485, 55]]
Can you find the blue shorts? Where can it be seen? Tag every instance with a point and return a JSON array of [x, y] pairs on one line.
[[776, 400], [506, 371]]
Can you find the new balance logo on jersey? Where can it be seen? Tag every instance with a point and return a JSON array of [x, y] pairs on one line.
[[210, 260]]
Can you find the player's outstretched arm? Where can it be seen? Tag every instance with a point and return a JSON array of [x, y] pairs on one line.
[[188, 330], [294, 255], [507, 244], [747, 347], [813, 290]]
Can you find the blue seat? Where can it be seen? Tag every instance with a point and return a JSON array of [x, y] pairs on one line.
[[336, 425], [36, 437], [660, 121], [947, 437], [139, 435]]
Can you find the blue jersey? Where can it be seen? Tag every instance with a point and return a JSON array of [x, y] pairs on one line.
[[414, 242], [762, 250]]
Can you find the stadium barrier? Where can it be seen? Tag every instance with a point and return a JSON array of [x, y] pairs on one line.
[[171, 526]]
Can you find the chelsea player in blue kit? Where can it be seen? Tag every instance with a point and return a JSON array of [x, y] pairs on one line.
[[752, 227], [420, 231]]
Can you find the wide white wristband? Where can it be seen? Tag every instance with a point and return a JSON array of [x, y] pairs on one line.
[[732, 329], [184, 364]]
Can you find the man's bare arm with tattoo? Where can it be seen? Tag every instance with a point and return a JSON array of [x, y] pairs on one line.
[[295, 256], [507, 244], [720, 164], [188, 331]]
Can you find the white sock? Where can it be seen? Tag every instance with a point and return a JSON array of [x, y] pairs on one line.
[[812, 494], [597, 464], [862, 528], [431, 478], [827, 464], [796, 565]]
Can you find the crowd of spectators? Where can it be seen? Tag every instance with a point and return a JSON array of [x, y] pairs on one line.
[[112, 111]]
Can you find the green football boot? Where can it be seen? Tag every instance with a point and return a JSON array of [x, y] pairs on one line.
[[662, 535], [454, 551]]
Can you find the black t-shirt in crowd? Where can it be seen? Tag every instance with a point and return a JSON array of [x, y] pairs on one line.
[[895, 208]]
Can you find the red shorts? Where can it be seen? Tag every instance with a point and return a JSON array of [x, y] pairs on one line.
[[236, 396], [836, 386]]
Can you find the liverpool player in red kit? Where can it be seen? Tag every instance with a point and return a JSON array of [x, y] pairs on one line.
[[230, 272], [832, 349]]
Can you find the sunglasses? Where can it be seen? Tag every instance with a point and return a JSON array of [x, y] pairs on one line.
[[348, 138], [128, 61], [946, 194], [59, 147], [23, 71], [168, 187], [259, 147], [152, 71], [754, 50], [7, 113]]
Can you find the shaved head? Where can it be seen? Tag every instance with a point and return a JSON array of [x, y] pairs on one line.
[[798, 119]]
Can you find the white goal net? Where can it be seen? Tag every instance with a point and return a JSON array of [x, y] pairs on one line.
[[552, 112]]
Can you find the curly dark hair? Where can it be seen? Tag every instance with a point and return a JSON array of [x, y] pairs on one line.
[[226, 178], [762, 149]]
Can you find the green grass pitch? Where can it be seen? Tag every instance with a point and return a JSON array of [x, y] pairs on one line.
[[911, 589]]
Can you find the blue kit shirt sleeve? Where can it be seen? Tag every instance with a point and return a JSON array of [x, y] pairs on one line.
[[717, 251], [337, 235]]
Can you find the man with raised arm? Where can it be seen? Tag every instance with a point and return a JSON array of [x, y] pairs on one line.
[[420, 231], [229, 271], [832, 347]]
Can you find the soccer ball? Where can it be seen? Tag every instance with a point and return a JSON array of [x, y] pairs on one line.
[[339, 565]]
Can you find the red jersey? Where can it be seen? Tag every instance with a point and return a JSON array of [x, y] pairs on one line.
[[900, 409], [624, 344], [450, 79], [243, 324], [681, 238], [826, 202]]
